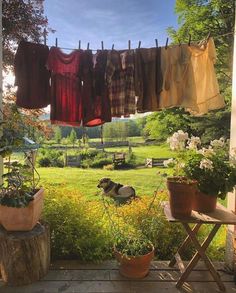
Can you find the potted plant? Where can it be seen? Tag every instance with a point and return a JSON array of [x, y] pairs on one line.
[[132, 249], [181, 188], [20, 200], [211, 167]]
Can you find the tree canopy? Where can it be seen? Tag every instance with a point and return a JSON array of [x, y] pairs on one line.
[[21, 19]]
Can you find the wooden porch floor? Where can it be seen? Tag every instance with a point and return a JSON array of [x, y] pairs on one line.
[[72, 277]]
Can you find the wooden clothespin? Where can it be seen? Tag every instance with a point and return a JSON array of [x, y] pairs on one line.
[[129, 44], [167, 40], [102, 45], [88, 46], [56, 42], [79, 44], [112, 47], [156, 41], [45, 36], [139, 44], [189, 40]]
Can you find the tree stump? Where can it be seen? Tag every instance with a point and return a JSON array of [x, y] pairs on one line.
[[24, 256]]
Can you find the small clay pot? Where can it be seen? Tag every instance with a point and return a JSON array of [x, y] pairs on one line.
[[204, 203], [134, 267]]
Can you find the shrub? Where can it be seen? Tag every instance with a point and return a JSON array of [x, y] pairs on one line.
[[50, 158], [100, 162], [74, 233], [109, 167]]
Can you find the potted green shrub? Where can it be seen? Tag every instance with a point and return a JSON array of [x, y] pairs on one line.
[[211, 167], [20, 200], [132, 249]]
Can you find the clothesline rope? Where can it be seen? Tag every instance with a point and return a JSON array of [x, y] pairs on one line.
[[95, 50]]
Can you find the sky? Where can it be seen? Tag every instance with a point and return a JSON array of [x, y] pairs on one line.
[[111, 21]]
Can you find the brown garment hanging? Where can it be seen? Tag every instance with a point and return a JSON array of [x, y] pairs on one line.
[[96, 104], [120, 82], [32, 76], [148, 78]]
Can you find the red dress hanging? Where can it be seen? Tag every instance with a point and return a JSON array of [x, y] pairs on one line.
[[66, 101]]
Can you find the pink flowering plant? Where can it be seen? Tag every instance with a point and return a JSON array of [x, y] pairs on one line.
[[211, 166]]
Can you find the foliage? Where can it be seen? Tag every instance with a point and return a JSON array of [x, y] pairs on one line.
[[74, 231], [214, 171], [57, 135], [100, 162], [73, 136], [109, 167], [21, 20], [50, 158], [19, 183]]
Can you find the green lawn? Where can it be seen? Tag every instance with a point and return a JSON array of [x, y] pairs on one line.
[[143, 152], [85, 181]]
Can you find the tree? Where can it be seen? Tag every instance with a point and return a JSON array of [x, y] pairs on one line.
[[201, 17], [197, 18], [73, 137], [57, 134], [21, 19]]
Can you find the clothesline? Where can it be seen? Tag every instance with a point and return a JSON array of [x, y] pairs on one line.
[[129, 43]]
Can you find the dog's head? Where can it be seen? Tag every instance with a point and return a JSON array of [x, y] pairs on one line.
[[103, 183]]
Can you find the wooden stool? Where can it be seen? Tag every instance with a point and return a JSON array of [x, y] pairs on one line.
[[24, 256]]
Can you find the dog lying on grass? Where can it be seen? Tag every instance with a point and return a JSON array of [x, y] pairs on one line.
[[120, 193]]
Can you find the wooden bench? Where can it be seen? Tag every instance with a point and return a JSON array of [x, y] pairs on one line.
[[118, 158], [155, 162]]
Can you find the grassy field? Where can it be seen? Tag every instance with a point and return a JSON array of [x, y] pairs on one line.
[[145, 181], [143, 152]]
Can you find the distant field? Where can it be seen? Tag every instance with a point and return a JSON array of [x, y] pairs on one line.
[[85, 181]]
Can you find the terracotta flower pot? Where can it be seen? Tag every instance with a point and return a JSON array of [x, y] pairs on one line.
[[181, 197], [134, 267], [22, 219], [204, 203]]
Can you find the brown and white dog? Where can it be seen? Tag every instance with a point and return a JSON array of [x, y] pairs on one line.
[[120, 193]]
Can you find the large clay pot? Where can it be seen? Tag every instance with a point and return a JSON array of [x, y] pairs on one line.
[[134, 267], [181, 196], [204, 203], [22, 219]]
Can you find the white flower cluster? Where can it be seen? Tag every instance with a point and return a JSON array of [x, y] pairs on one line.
[[218, 143], [206, 164], [194, 142], [169, 162], [206, 152], [177, 140]]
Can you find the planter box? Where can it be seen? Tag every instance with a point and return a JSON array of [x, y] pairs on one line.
[[22, 219]]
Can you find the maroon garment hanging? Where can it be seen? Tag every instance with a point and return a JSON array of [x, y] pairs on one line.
[[66, 101], [32, 76], [96, 104]]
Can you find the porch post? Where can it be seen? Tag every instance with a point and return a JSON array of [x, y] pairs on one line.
[[1, 160], [230, 256]]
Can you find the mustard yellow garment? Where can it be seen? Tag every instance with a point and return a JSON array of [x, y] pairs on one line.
[[189, 79]]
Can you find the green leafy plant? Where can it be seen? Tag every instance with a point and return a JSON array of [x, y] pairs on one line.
[[211, 166], [19, 183]]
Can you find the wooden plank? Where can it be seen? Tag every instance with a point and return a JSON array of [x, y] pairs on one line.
[[220, 215], [113, 265], [71, 287]]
